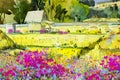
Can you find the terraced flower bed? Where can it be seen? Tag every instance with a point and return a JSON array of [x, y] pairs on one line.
[[57, 40]]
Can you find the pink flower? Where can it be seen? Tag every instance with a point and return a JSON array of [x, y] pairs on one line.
[[10, 30], [1, 70]]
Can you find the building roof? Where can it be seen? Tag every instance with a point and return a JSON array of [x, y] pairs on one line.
[[34, 16]]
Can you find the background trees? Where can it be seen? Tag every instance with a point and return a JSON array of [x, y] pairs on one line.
[[57, 10], [37, 4], [4, 8], [79, 10], [60, 13], [88, 2], [20, 10], [54, 10], [112, 11]]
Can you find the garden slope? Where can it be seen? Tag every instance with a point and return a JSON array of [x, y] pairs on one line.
[[5, 41]]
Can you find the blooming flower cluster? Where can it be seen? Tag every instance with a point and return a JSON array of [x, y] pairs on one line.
[[62, 32], [42, 31], [39, 65], [35, 65], [10, 31], [110, 69], [111, 63]]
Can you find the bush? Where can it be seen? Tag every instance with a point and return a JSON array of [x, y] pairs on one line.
[[79, 10]]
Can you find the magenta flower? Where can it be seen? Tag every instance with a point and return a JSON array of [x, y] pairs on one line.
[[42, 31], [62, 32], [1, 70], [10, 30], [111, 63], [35, 65]]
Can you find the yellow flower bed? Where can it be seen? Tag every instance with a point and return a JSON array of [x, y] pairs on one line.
[[111, 42], [60, 55], [68, 40], [56, 42]]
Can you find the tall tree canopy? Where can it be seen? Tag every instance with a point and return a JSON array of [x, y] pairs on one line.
[[79, 10], [37, 4], [5, 6], [20, 10], [54, 10]]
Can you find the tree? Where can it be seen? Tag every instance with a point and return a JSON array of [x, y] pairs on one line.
[[49, 8], [87, 2], [37, 4], [61, 9], [79, 9], [91, 3], [112, 11], [20, 10], [4, 8], [108, 11], [60, 13], [116, 7]]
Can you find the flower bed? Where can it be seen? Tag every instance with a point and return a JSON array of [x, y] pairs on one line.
[[68, 40], [35, 65], [38, 65]]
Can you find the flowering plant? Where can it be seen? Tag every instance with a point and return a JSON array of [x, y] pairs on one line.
[[42, 31], [110, 69], [10, 30], [111, 63], [62, 32], [34, 65]]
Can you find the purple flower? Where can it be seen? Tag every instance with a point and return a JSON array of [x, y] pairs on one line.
[[42, 31], [10, 30], [62, 32]]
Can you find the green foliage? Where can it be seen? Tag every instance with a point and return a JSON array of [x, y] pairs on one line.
[[97, 13], [60, 13], [107, 12], [88, 2], [20, 10], [50, 8], [38, 4], [91, 3], [56, 10], [112, 12], [80, 10], [4, 8]]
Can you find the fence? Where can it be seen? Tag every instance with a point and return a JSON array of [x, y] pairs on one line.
[[10, 28], [27, 27], [86, 24]]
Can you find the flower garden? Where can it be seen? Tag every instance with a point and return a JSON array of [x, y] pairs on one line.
[[70, 53]]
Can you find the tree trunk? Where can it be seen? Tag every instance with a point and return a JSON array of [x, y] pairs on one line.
[[1, 19]]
